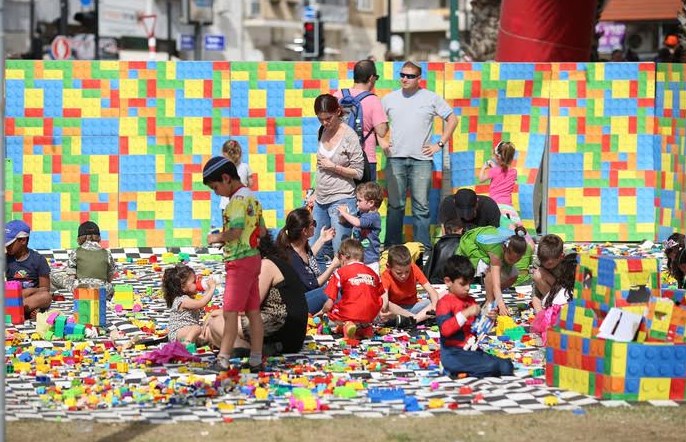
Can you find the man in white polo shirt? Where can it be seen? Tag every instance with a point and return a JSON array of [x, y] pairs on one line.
[[411, 111]]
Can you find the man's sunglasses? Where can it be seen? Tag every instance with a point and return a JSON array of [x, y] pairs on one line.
[[408, 76]]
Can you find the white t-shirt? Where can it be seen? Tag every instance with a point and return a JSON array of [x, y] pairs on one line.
[[412, 120], [559, 299]]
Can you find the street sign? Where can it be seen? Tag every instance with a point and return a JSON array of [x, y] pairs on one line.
[[309, 13], [214, 42], [185, 42], [60, 48]]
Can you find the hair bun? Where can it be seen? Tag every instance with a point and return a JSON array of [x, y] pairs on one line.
[[520, 231]]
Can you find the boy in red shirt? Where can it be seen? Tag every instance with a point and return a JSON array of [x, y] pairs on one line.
[[400, 280], [455, 313], [362, 295]]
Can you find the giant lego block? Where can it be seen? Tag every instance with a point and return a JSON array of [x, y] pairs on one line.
[[14, 302], [90, 306], [637, 371], [123, 295], [604, 281]]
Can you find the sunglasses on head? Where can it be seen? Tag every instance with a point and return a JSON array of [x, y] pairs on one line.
[[408, 76]]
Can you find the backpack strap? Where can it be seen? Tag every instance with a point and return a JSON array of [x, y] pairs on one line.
[[345, 92]]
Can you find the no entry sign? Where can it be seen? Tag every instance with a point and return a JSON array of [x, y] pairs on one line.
[[60, 48]]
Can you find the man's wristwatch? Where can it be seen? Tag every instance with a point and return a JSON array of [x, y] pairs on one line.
[[441, 144]]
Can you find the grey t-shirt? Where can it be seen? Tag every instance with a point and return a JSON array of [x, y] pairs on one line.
[[411, 119]]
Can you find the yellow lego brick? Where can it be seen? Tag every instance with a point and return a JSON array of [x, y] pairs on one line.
[[201, 209], [654, 389], [620, 89], [618, 359], [201, 146], [515, 88], [33, 98], [574, 379], [627, 205]]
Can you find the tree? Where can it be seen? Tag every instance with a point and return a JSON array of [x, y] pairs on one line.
[[483, 30]]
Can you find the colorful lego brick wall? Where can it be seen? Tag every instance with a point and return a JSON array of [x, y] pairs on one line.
[[602, 177], [494, 102], [123, 143], [670, 115]]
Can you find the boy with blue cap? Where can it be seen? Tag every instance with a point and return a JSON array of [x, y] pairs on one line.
[[28, 267]]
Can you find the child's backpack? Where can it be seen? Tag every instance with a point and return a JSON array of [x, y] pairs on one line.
[[353, 115], [443, 249]]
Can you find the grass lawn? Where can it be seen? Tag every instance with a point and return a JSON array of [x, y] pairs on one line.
[[640, 422]]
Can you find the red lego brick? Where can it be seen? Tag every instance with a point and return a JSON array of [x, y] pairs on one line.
[[677, 389]]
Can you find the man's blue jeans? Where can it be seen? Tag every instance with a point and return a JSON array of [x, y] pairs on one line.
[[403, 174]]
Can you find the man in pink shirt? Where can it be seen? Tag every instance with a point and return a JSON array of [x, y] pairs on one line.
[[374, 118]]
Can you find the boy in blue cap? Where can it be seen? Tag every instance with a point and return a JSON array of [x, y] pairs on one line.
[[28, 267]]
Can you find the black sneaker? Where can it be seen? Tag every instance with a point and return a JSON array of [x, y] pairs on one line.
[[253, 368], [401, 322], [218, 367]]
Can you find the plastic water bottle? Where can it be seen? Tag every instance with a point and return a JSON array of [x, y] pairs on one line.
[[202, 282], [214, 231]]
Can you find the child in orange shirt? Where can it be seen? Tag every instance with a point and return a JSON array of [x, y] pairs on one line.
[[400, 280], [362, 295]]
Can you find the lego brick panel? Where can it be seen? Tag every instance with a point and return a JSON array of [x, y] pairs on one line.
[[670, 112], [494, 102], [602, 177], [173, 117]]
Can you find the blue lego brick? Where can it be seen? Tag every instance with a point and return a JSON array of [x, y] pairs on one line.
[[517, 71], [462, 167], [377, 395], [585, 346], [194, 70], [14, 302], [99, 126], [549, 353], [606, 272], [600, 365], [656, 361], [632, 385], [564, 341], [621, 71], [41, 202]]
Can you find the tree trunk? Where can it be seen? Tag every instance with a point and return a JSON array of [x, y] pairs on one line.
[[484, 30]]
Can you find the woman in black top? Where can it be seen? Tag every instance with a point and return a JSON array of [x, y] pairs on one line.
[[283, 308], [293, 241]]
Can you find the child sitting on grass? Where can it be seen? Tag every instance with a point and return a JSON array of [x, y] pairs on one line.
[[185, 312], [560, 293], [400, 280], [355, 294], [89, 264], [455, 314], [28, 267]]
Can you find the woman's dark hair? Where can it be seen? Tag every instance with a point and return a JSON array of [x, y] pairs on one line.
[[678, 273], [326, 103], [297, 221], [565, 280], [173, 280], [517, 242], [268, 249], [216, 167], [674, 244]]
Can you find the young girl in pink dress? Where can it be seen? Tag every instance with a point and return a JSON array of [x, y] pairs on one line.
[[500, 173]]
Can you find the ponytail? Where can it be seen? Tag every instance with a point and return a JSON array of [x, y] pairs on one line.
[[517, 242]]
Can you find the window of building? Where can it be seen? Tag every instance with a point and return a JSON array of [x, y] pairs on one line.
[[365, 5]]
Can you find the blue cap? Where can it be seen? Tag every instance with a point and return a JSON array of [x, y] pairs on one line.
[[16, 229]]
